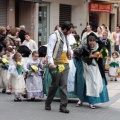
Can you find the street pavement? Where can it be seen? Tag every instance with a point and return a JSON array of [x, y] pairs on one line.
[[28, 110]]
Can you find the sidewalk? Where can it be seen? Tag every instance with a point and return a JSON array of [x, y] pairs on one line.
[[27, 110]]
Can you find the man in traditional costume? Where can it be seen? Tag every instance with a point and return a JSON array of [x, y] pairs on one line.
[[58, 52]]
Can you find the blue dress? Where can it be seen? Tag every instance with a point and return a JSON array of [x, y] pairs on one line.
[[80, 87]]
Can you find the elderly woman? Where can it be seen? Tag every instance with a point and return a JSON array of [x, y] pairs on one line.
[[90, 85]]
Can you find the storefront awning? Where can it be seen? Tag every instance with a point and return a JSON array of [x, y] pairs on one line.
[[110, 1], [99, 7], [37, 1]]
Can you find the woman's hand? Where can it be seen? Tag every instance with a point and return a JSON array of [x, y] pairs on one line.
[[91, 56], [52, 66]]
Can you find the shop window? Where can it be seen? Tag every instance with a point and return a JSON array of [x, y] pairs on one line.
[[65, 13], [43, 28]]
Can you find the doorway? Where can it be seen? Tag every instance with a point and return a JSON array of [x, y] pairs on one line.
[[94, 20], [112, 20]]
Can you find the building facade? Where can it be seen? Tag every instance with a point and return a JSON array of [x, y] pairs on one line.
[[41, 16]]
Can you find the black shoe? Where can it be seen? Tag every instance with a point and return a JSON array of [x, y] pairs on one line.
[[9, 93], [17, 99], [47, 107], [64, 110], [4, 91], [32, 99], [24, 95], [115, 79]]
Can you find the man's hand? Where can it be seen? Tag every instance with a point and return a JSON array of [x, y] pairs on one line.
[[70, 57], [52, 66]]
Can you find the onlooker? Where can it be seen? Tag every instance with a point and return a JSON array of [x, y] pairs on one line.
[[88, 31], [116, 38], [107, 45], [31, 44], [99, 32], [8, 29], [22, 33], [56, 27], [2, 35]]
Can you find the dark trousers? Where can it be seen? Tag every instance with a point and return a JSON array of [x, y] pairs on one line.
[[117, 48], [58, 80]]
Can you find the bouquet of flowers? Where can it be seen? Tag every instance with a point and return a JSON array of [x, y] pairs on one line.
[[102, 54], [75, 45], [5, 64], [60, 68], [118, 71], [19, 68], [34, 68]]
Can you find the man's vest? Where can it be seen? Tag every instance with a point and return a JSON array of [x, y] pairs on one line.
[[58, 49]]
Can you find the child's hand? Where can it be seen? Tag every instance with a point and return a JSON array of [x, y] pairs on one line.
[[10, 87], [109, 59]]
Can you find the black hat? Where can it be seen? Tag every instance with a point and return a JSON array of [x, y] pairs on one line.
[[24, 50], [42, 51]]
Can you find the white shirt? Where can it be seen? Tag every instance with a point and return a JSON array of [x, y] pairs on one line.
[[27, 43], [51, 45], [71, 40], [85, 35]]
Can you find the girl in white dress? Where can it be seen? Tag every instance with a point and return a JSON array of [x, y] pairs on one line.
[[5, 74], [114, 65], [17, 78], [34, 83]]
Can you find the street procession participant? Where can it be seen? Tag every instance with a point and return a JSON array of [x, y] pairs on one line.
[[6, 60], [114, 65], [34, 82], [17, 78], [57, 52], [91, 87], [72, 71]]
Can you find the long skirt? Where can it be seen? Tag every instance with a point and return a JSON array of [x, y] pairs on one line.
[[80, 87], [47, 83], [34, 86], [18, 84]]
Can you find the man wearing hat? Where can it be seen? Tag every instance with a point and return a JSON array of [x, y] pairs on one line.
[[58, 53]]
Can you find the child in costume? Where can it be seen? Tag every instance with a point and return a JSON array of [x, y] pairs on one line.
[[17, 78], [34, 83], [5, 74], [114, 65]]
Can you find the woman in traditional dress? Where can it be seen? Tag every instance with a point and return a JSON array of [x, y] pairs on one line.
[[34, 83], [99, 32], [90, 85]]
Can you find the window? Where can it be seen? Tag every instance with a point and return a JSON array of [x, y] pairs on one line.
[[65, 13]]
